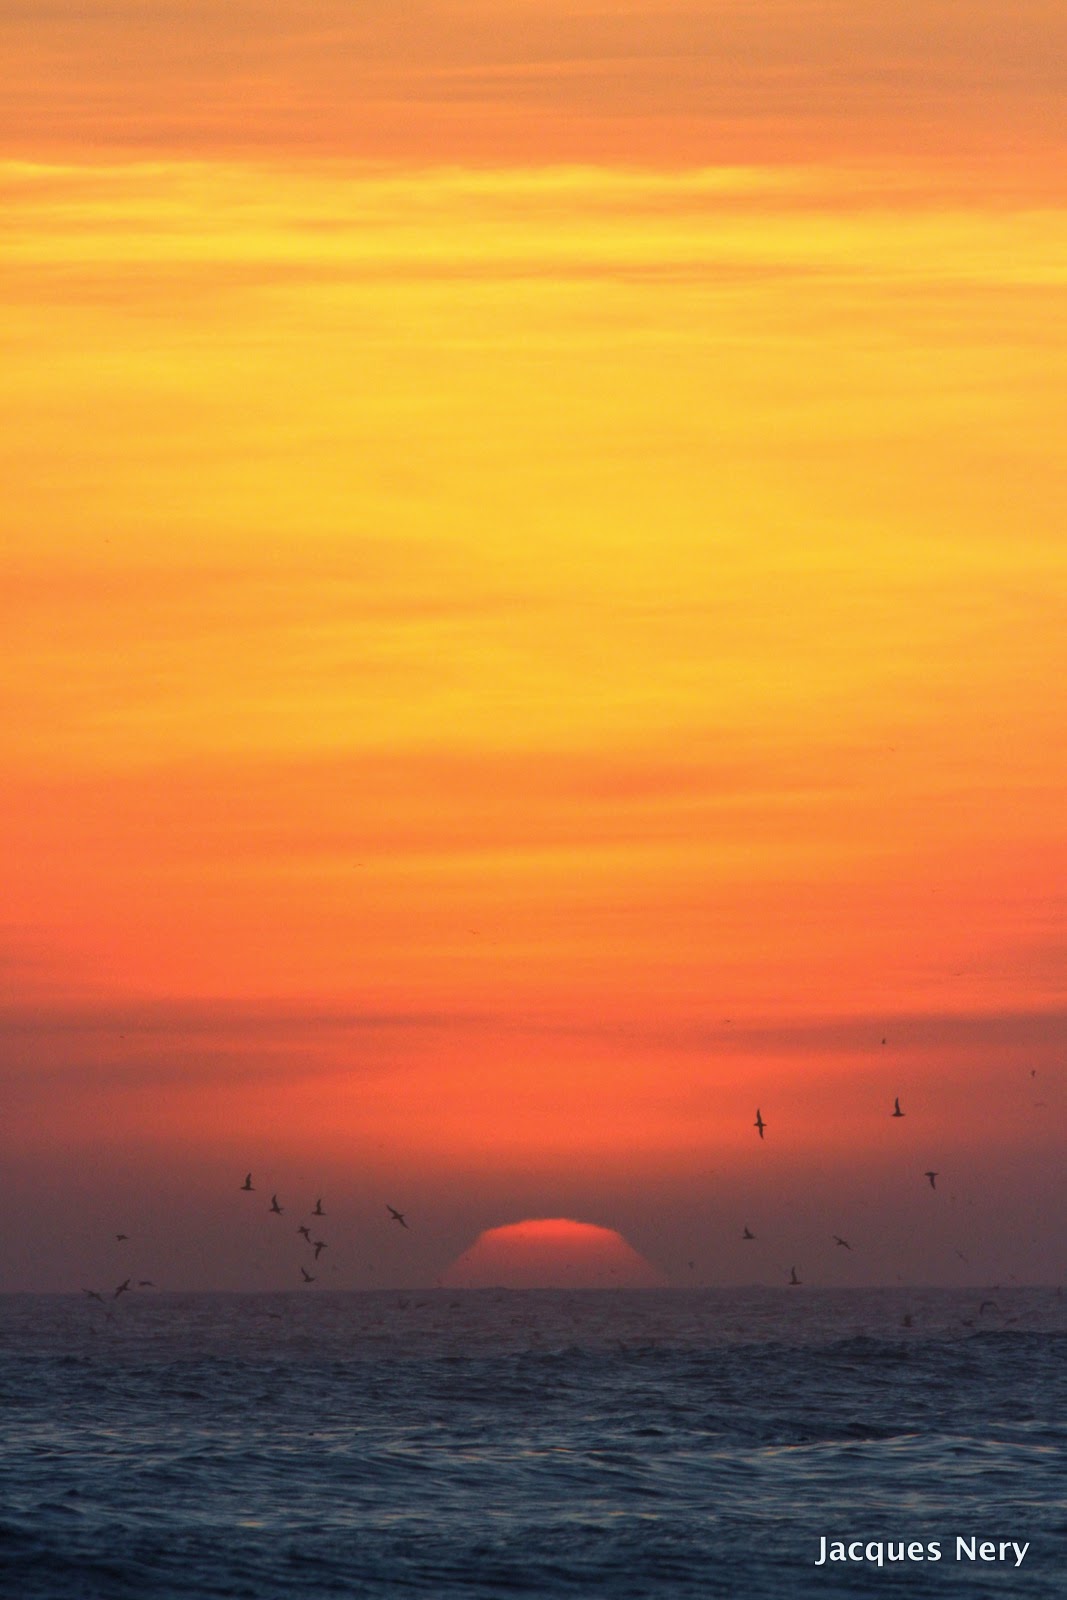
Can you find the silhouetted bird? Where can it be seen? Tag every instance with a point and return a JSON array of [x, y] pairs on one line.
[[896, 1108], [247, 1185], [122, 1288], [992, 1305], [933, 1179], [844, 1242], [305, 1231], [145, 1283], [274, 1206], [397, 1216], [794, 1281], [93, 1295], [747, 1233], [120, 1236], [318, 1211], [307, 1275], [320, 1246], [759, 1122]]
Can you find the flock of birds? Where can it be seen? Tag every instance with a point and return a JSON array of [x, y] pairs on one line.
[[930, 1175], [317, 1246], [275, 1209]]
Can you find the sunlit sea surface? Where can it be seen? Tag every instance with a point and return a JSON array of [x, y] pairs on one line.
[[538, 1443]]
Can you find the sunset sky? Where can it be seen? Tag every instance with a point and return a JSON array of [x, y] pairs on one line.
[[534, 595]]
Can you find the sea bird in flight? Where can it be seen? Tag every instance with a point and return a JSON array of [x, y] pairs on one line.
[[896, 1107], [306, 1231], [932, 1177], [120, 1236], [794, 1281], [274, 1206], [748, 1234], [307, 1275], [93, 1295], [122, 1288], [247, 1185], [397, 1216], [838, 1240], [320, 1246], [759, 1122], [318, 1211]]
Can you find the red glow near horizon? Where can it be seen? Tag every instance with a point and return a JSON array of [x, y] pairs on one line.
[[551, 1253]]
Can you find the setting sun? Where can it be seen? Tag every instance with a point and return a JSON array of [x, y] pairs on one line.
[[551, 1253]]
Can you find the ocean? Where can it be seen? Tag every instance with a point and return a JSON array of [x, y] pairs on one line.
[[623, 1444]]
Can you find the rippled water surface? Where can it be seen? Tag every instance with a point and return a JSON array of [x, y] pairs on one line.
[[659, 1443]]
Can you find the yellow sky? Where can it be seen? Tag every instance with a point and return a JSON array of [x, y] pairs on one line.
[[529, 534]]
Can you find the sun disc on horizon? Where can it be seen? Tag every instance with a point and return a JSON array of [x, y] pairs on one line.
[[551, 1253]]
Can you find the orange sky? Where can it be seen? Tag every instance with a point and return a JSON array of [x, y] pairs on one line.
[[533, 603]]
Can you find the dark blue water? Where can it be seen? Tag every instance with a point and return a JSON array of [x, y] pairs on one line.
[[661, 1444]]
